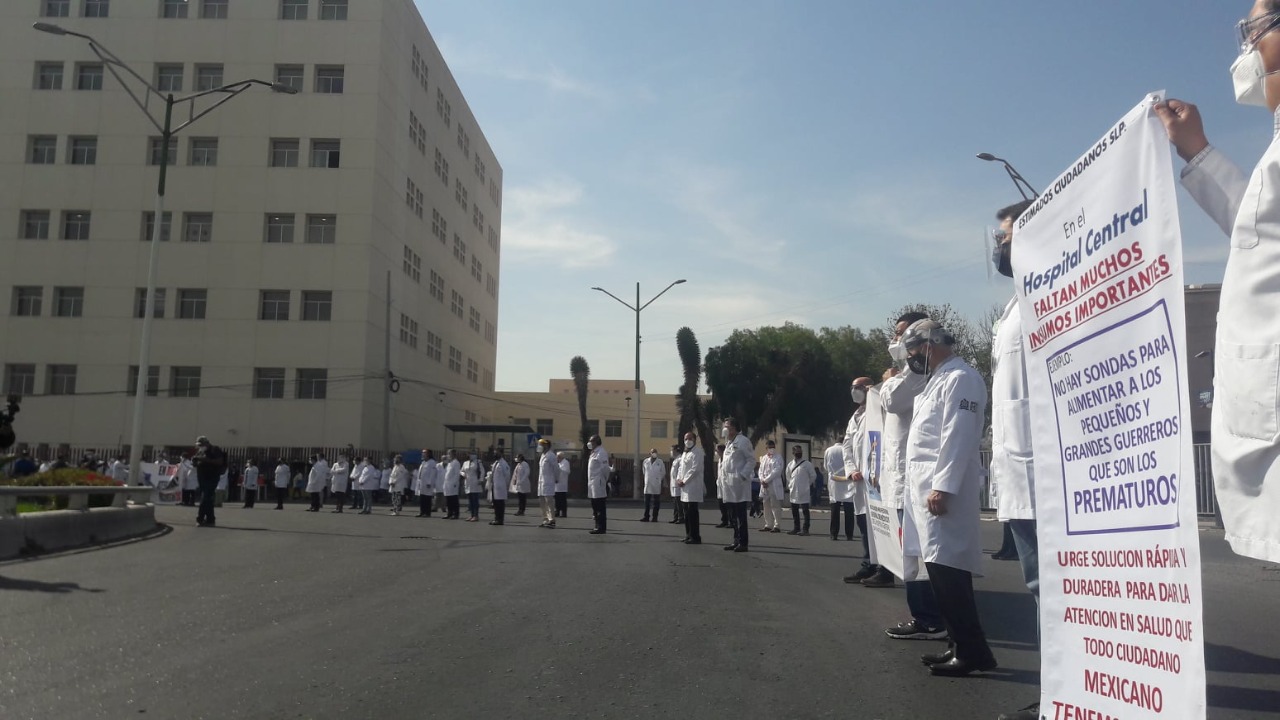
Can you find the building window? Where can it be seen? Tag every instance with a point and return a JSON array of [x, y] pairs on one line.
[[333, 9], [439, 226], [464, 141], [156, 154], [34, 225], [412, 264], [313, 383], [75, 225], [20, 379], [68, 302], [460, 193], [317, 305], [42, 149], [329, 79], [153, 381], [208, 77], [488, 379], [459, 250], [149, 226], [434, 346], [213, 9], [476, 268], [480, 169], [55, 8], [491, 285], [140, 303], [437, 286], [204, 152], [658, 429], [493, 238], [173, 9], [408, 331], [284, 153], [49, 76], [455, 360], [82, 150], [544, 426], [273, 305], [325, 153], [442, 168], [412, 195], [455, 303], [293, 9], [169, 78], [473, 371], [192, 304], [268, 383], [322, 229], [27, 301], [490, 334], [60, 379], [279, 229], [475, 320], [613, 428], [184, 381], [290, 76], [88, 76], [97, 8], [442, 107], [494, 193], [477, 218], [197, 227]]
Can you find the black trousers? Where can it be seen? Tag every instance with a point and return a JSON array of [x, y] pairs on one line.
[[866, 542], [208, 492], [692, 530], [340, 499], [282, 494], [847, 507], [599, 513], [249, 496], [315, 501], [424, 504], [499, 510], [953, 589], [656, 501], [451, 506], [189, 497], [561, 505], [678, 511], [796, 510], [523, 501], [724, 513], [740, 530]]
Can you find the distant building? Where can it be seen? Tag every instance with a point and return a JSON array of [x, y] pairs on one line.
[[1202, 324]]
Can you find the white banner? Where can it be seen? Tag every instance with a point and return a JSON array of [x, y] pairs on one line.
[[883, 529], [162, 477], [1098, 268]]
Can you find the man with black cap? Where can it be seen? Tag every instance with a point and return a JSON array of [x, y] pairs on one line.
[[210, 462]]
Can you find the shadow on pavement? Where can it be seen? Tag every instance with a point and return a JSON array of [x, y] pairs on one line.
[[775, 550], [1020, 677], [1223, 658], [8, 583], [288, 532], [1235, 698], [1007, 616]]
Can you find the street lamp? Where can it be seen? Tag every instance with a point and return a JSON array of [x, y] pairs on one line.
[[637, 308], [167, 130], [1018, 181]]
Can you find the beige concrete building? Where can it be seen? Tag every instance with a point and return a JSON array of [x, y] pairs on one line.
[[285, 214]]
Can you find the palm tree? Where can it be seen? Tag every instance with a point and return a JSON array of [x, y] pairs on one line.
[[694, 413], [580, 371]]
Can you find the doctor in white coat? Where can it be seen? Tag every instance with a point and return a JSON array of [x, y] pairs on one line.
[[677, 506], [842, 491], [598, 484], [655, 471], [736, 467], [687, 472], [452, 476], [548, 475], [800, 479], [188, 480], [473, 471], [425, 479], [520, 483], [368, 481], [317, 478], [399, 481], [1245, 426], [562, 486], [501, 471], [944, 481], [339, 479], [853, 448], [771, 487]]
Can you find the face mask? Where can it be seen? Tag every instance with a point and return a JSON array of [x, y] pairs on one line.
[[769, 452], [540, 449], [1247, 75], [653, 456], [796, 456], [1001, 257], [724, 432], [859, 395], [897, 351], [688, 444], [918, 364]]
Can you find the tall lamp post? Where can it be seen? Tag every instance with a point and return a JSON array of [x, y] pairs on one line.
[[167, 130], [637, 308]]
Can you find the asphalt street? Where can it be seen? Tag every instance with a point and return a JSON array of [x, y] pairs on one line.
[[289, 614]]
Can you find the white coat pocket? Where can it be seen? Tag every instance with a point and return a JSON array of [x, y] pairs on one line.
[[1247, 390]]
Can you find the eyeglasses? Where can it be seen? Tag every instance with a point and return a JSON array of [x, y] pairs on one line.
[[1251, 30], [999, 234]]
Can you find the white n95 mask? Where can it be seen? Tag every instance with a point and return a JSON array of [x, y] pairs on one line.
[[1247, 75], [898, 352]]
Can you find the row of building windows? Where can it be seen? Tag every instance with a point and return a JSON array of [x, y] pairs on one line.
[[612, 428], [207, 9], [184, 381], [191, 304], [201, 151], [170, 77], [196, 226]]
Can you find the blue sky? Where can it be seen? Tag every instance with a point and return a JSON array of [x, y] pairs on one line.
[[808, 161]]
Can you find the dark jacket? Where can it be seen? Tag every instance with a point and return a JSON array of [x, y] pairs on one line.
[[210, 463]]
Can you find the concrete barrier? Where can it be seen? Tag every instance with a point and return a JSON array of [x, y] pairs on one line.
[[33, 533]]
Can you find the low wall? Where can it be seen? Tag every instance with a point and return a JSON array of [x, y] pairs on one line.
[[31, 533]]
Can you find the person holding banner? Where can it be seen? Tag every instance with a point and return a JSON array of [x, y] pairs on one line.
[[1245, 425], [771, 487], [944, 479]]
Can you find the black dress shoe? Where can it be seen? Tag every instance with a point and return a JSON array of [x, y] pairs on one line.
[[740, 549], [804, 533], [721, 525], [730, 547], [955, 667], [693, 541], [597, 531], [491, 522], [835, 537], [938, 658], [644, 519]]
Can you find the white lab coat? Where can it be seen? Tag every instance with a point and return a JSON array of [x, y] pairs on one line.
[[520, 478], [736, 466], [548, 475], [471, 470], [424, 479], [384, 479], [1012, 471], [897, 399], [562, 481], [318, 476], [119, 471], [399, 478], [688, 469], [942, 454], [672, 484], [370, 477], [339, 476], [452, 474], [655, 471], [501, 478], [283, 473], [771, 476], [833, 460], [800, 479], [250, 480], [854, 448], [187, 475], [1245, 440], [598, 474]]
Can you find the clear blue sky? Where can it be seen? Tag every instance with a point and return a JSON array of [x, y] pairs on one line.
[[808, 161]]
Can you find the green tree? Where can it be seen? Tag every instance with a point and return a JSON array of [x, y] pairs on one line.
[[580, 371], [695, 414]]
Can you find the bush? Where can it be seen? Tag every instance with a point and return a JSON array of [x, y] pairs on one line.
[[63, 477]]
